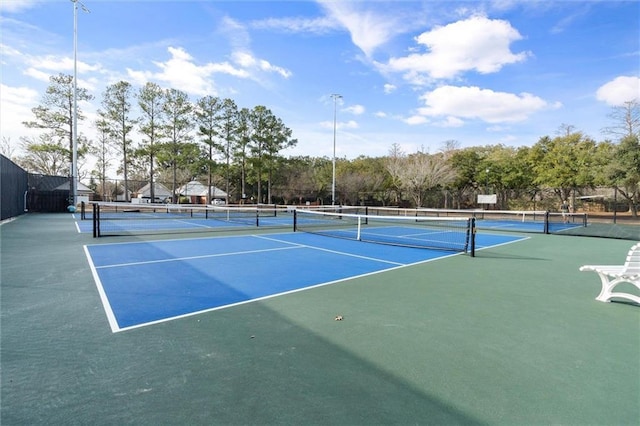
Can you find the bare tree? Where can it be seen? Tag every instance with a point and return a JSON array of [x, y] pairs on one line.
[[6, 148], [626, 120], [422, 171], [394, 164]]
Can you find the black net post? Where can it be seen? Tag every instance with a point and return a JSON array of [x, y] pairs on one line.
[[295, 220], [546, 222], [472, 241], [94, 217]]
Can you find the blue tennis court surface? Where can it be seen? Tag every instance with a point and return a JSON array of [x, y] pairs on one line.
[[143, 283]]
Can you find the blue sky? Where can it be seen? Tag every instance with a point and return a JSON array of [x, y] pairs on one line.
[[415, 73]]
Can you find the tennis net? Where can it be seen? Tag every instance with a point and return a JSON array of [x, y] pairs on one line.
[[500, 220], [452, 234], [127, 218]]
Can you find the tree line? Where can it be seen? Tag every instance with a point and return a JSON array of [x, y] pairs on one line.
[[240, 150]]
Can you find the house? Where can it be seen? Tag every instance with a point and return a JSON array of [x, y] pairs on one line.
[[161, 193], [198, 192], [85, 194]]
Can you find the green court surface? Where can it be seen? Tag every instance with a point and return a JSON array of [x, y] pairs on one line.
[[512, 336]]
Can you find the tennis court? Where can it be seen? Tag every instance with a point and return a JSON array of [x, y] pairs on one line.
[[143, 283], [511, 336]]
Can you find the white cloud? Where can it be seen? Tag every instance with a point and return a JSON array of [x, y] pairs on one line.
[[180, 72], [368, 28], [483, 104], [355, 109], [247, 60], [240, 41], [389, 88], [477, 43], [235, 32], [416, 119], [351, 124], [37, 74], [12, 6], [619, 90], [451, 121], [61, 64], [497, 128], [9, 51], [16, 104], [320, 25]]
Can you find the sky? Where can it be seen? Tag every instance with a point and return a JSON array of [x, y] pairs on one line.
[[412, 73]]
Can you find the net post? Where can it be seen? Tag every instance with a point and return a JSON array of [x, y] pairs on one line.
[[472, 241], [295, 220], [94, 217], [82, 211], [257, 217], [358, 235], [546, 222]]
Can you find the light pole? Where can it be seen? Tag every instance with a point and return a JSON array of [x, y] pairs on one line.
[[335, 97], [74, 137], [487, 186]]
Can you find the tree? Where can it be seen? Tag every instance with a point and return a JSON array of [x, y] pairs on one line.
[[179, 150], [625, 171], [116, 101], [260, 118], [279, 137], [242, 147], [45, 155], [507, 172], [561, 163], [466, 162], [361, 179], [626, 120], [56, 114], [303, 179], [416, 173], [394, 164], [102, 152], [207, 116], [56, 111], [6, 147], [150, 101], [229, 135]]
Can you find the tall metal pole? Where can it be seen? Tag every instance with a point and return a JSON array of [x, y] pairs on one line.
[[73, 190], [74, 136], [335, 97]]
